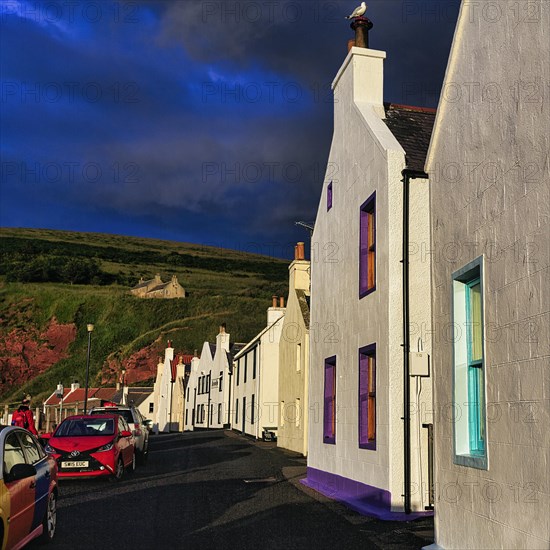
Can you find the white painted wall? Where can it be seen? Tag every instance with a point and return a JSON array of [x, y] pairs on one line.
[[145, 405], [163, 394], [294, 365], [265, 386], [365, 157], [190, 392], [490, 197], [214, 400], [205, 368]]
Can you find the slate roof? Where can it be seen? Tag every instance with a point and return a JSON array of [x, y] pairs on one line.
[[212, 349], [412, 127], [136, 396], [233, 350], [159, 287], [141, 285]]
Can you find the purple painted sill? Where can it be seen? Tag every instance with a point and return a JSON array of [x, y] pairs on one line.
[[367, 500]]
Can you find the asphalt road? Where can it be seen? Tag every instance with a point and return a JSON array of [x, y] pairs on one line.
[[218, 490]]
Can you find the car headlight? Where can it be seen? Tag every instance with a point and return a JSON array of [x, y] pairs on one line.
[[49, 449], [107, 447]]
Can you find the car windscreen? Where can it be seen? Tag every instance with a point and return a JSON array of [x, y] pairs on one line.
[[125, 413], [85, 427]]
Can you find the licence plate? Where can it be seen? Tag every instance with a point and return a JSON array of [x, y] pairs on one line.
[[75, 464]]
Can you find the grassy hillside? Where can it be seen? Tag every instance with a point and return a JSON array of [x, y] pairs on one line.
[[223, 286]]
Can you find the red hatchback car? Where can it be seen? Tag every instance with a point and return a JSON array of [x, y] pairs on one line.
[[93, 446]]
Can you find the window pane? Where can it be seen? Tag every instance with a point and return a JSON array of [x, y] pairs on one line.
[[367, 247], [475, 322], [367, 398], [13, 453], [31, 448], [329, 418]]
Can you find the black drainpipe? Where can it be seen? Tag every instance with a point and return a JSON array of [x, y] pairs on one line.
[[230, 382], [407, 176]]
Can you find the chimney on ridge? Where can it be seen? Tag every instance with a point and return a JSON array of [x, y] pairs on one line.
[[363, 70]]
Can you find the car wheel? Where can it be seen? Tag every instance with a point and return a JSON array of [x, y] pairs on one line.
[[49, 522], [119, 470]]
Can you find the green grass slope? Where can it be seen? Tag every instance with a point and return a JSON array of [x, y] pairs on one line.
[[223, 286]]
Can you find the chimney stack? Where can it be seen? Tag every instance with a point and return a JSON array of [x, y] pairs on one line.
[[196, 353], [169, 343], [274, 298], [361, 26], [299, 251], [222, 328], [281, 302]]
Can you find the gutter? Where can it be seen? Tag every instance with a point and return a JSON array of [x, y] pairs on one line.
[[194, 416], [230, 382], [408, 175]]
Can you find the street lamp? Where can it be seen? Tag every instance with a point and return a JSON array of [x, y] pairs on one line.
[[122, 400], [90, 329], [59, 394]]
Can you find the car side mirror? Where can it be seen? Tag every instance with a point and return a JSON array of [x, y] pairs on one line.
[[125, 433], [22, 471], [148, 424]]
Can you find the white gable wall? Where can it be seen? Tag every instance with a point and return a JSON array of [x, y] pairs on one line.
[[490, 197], [365, 158]]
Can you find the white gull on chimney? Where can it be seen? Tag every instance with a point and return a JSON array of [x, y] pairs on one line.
[[358, 11]]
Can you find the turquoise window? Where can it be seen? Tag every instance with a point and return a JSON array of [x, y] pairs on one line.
[[470, 426]]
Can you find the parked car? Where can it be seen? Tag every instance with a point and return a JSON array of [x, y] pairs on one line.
[[137, 423], [28, 489], [92, 446]]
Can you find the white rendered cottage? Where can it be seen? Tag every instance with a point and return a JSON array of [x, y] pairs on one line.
[[294, 358], [370, 400], [255, 399], [208, 391], [490, 217]]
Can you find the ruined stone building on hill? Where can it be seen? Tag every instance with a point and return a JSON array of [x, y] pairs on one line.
[[155, 288]]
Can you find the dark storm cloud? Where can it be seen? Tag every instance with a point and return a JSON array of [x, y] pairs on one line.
[[185, 119]]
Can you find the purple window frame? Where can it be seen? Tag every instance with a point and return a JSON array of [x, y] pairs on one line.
[[329, 401], [369, 206], [363, 397], [329, 196]]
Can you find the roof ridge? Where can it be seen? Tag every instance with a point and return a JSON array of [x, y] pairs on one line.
[[389, 104]]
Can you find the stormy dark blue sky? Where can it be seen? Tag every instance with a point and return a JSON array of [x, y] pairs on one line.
[[200, 121]]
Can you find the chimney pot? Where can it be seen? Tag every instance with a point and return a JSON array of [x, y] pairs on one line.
[[281, 302], [361, 26], [169, 343], [222, 328], [274, 298], [300, 251], [196, 353]]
